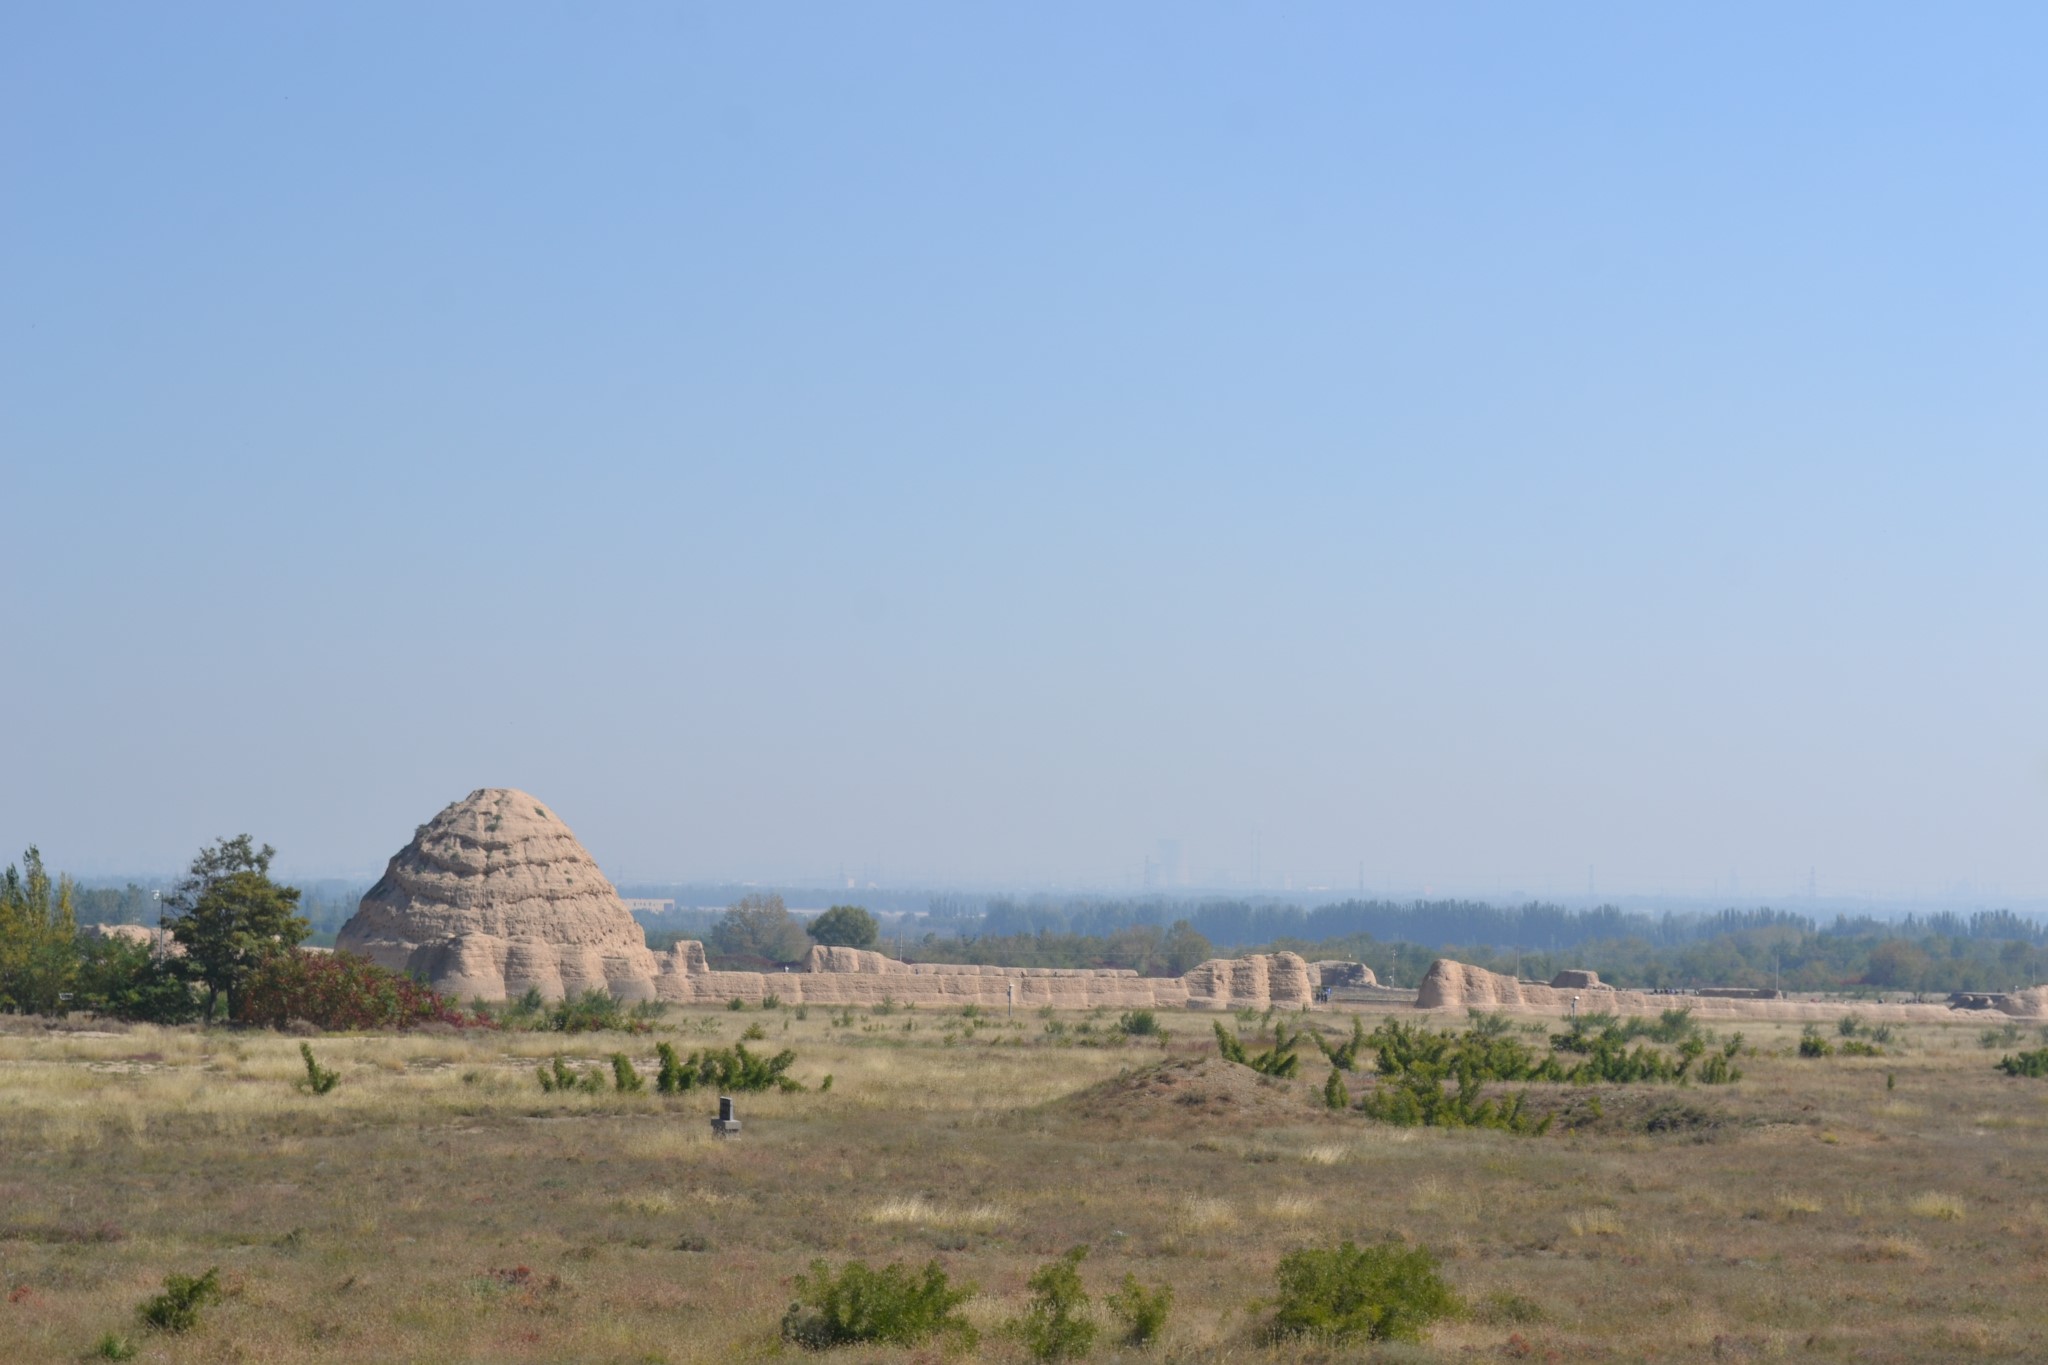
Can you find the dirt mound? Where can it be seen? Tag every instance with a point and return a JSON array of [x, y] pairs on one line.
[[1184, 1093], [494, 895]]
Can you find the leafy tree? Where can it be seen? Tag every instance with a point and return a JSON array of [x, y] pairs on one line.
[[845, 926], [1897, 963], [128, 980], [38, 952], [230, 915], [760, 925], [1183, 949]]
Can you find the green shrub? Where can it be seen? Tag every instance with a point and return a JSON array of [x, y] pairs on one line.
[[1277, 1060], [624, 1078], [1494, 1025], [1142, 1313], [1672, 1026], [113, 1346], [1419, 1100], [2005, 1035], [771, 1001], [1345, 1056], [1811, 1044], [1857, 1047], [1848, 1025], [729, 1069], [895, 1305], [1335, 1096], [753, 1033], [177, 1308], [735, 1004], [124, 979], [557, 1075], [1139, 1024], [669, 1080], [1056, 1325], [2025, 1063], [826, 1084], [1382, 1293], [591, 1012], [319, 1079]]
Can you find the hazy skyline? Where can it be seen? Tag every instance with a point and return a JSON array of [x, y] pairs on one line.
[[1480, 445]]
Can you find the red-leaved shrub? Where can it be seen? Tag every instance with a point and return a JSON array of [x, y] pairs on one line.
[[343, 991]]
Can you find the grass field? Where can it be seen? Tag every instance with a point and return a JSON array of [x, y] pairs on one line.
[[436, 1206]]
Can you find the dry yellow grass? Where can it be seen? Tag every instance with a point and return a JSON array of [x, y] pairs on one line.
[[388, 1219]]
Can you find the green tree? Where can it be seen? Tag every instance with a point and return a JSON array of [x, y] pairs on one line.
[[125, 979], [845, 926], [1897, 963], [229, 915], [760, 925], [1056, 1325], [1184, 949], [38, 933]]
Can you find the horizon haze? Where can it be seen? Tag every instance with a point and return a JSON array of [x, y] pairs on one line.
[[1596, 450]]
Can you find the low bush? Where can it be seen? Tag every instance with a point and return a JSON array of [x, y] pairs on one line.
[[557, 1075], [2025, 1063], [1335, 1096], [625, 1079], [1056, 1325], [1345, 1056], [1672, 1026], [894, 1305], [1490, 1025], [1141, 1312], [2005, 1035], [1382, 1293], [319, 1079], [1811, 1044], [1421, 1101], [177, 1308], [113, 1346], [1139, 1024], [735, 1004], [1277, 1060], [337, 991], [730, 1069]]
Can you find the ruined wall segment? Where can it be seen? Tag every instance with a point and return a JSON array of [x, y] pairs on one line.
[[1462, 986], [495, 896]]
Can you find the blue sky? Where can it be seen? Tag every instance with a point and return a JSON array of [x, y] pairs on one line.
[[1477, 443]]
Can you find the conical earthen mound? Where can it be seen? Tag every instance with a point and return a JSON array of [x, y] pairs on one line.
[[495, 895]]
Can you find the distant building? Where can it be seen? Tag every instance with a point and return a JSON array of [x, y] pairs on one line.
[[642, 905]]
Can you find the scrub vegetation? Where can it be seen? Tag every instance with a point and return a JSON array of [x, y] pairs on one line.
[[436, 1204]]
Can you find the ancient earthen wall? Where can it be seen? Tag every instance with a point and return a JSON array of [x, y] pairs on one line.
[[1461, 986]]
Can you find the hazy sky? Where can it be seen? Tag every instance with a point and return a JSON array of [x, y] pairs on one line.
[[1477, 442]]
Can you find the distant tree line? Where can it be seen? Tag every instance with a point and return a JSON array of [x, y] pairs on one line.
[[325, 905]]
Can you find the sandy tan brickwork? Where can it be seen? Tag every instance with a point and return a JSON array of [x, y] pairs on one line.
[[1459, 985], [495, 896]]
